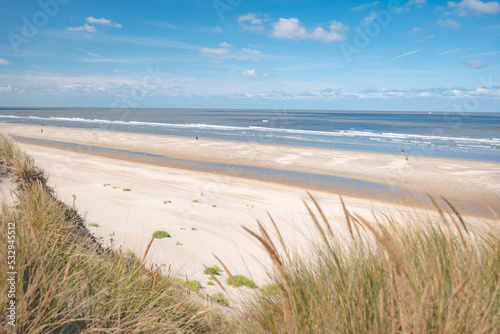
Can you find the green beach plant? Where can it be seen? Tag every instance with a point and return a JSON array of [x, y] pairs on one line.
[[192, 285], [220, 298], [215, 270], [161, 235], [240, 280]]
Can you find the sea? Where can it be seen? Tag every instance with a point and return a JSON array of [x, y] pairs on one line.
[[468, 136]]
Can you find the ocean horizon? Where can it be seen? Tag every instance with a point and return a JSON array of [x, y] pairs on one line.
[[467, 136]]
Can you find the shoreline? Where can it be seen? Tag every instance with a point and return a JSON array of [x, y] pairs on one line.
[[473, 182], [359, 189]]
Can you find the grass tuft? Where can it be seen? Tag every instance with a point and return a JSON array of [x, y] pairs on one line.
[[220, 298], [215, 270], [192, 285], [240, 280]]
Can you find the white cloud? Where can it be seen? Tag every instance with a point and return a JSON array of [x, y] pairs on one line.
[[417, 30], [248, 73], [293, 29], [89, 53], [103, 21], [6, 89], [250, 59], [250, 51], [214, 52], [225, 45], [251, 22], [250, 17], [416, 2], [366, 5], [477, 7], [407, 54], [482, 54], [449, 51], [449, 23], [476, 64], [85, 27], [4, 61], [369, 19]]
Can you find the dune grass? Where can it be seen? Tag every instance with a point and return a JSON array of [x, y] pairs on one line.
[[67, 283], [416, 275]]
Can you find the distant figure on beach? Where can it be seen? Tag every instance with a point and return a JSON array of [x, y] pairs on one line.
[[403, 152], [196, 138], [41, 130], [406, 158]]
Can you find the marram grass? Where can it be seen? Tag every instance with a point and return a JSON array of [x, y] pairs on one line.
[[407, 276]]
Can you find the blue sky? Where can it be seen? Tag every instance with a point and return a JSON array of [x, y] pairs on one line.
[[340, 55]]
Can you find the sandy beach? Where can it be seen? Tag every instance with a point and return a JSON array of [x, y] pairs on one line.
[[458, 180], [204, 212]]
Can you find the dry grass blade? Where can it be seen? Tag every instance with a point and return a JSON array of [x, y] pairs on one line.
[[282, 242], [387, 242], [225, 268], [318, 226], [457, 290], [147, 249], [198, 314], [327, 224], [347, 217], [66, 272], [215, 278], [268, 247], [441, 213], [457, 214]]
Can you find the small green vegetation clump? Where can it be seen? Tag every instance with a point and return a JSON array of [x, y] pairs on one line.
[[240, 280], [166, 202], [215, 270], [220, 298], [210, 283], [213, 206], [192, 285], [126, 189], [93, 225], [161, 234], [269, 289], [195, 201], [106, 185]]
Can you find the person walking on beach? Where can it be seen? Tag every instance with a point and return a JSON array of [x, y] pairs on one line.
[[402, 152], [406, 158]]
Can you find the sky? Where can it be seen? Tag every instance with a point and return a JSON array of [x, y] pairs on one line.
[[416, 55]]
